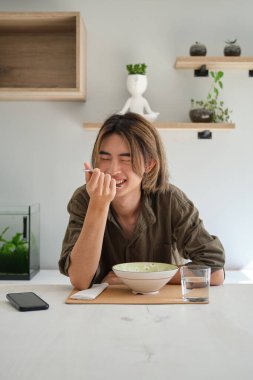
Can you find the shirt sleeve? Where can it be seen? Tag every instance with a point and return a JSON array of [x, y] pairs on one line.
[[192, 239], [77, 208]]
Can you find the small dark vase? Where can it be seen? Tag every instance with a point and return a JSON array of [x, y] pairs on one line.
[[198, 50], [232, 51], [201, 115]]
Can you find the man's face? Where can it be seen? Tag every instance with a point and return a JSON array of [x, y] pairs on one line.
[[115, 159]]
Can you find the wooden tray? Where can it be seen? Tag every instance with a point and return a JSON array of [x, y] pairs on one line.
[[120, 294]]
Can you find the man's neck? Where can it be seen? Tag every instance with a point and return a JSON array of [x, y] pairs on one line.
[[127, 208]]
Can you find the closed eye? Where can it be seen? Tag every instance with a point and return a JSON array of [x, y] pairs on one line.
[[125, 159], [105, 156]]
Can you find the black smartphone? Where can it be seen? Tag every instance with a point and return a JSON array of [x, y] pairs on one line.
[[27, 301]]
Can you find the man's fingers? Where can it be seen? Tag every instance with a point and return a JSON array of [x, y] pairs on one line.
[[100, 183], [107, 182], [88, 175], [93, 178], [113, 187], [113, 184]]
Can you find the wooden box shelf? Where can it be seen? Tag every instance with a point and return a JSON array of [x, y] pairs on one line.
[[42, 56]]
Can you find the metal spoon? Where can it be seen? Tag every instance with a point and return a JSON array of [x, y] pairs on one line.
[[88, 170]]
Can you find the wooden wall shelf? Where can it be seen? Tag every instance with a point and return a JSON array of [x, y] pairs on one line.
[[42, 56], [214, 63], [178, 126]]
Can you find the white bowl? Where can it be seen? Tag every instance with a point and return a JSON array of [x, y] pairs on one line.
[[145, 277]]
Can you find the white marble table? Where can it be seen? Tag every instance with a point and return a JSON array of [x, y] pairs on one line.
[[100, 342], [54, 277]]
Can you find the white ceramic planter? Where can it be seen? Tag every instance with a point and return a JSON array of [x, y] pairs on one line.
[[137, 85]]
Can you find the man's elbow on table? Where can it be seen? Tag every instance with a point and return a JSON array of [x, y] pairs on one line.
[[217, 277], [77, 283]]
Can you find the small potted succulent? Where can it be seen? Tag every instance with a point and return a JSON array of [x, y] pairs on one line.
[[198, 49], [138, 68], [211, 109], [232, 49], [137, 83]]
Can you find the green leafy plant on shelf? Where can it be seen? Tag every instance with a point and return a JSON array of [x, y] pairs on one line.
[[13, 253], [219, 113], [138, 68]]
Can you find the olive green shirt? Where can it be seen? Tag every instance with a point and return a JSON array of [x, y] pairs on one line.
[[168, 230]]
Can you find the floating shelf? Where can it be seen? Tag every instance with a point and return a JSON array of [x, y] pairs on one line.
[[42, 56], [178, 126], [214, 63]]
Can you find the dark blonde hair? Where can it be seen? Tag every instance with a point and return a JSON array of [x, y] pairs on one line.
[[145, 144]]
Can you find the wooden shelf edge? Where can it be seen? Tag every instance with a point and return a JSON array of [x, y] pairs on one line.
[[189, 62], [195, 126], [177, 126], [43, 94]]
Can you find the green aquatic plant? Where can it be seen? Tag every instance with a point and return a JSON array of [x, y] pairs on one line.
[[13, 253]]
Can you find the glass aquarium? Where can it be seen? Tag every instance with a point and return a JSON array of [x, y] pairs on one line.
[[19, 242]]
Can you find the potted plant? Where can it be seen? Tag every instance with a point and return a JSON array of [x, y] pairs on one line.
[[231, 49], [198, 49], [138, 68], [211, 109], [137, 83]]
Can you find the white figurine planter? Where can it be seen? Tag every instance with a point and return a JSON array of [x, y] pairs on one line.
[[137, 85]]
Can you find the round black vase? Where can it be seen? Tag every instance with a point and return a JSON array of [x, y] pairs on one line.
[[198, 50], [232, 51], [201, 115]]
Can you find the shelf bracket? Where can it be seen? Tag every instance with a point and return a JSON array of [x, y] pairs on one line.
[[250, 73], [201, 72], [205, 135]]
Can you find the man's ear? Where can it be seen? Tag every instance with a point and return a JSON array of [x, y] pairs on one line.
[[149, 165]]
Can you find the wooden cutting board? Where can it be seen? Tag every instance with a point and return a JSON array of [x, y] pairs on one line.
[[120, 294]]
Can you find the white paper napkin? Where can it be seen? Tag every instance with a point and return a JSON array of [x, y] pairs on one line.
[[91, 293]]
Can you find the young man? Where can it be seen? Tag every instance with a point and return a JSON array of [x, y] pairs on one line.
[[128, 211]]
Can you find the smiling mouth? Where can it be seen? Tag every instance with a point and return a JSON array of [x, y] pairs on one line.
[[120, 183]]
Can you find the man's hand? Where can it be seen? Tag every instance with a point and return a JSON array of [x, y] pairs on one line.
[[112, 279], [100, 187]]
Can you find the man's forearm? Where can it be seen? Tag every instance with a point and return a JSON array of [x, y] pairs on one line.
[[86, 252]]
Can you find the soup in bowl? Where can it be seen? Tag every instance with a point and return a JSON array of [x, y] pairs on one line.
[[145, 277]]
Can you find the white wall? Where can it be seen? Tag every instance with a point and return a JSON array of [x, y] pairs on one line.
[[43, 144]]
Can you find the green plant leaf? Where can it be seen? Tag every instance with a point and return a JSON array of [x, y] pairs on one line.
[[137, 68], [4, 231], [15, 246], [229, 42], [8, 248], [211, 102], [17, 239]]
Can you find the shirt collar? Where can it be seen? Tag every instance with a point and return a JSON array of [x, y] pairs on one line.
[[146, 217]]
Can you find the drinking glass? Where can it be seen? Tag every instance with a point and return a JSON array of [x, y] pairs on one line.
[[195, 282]]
